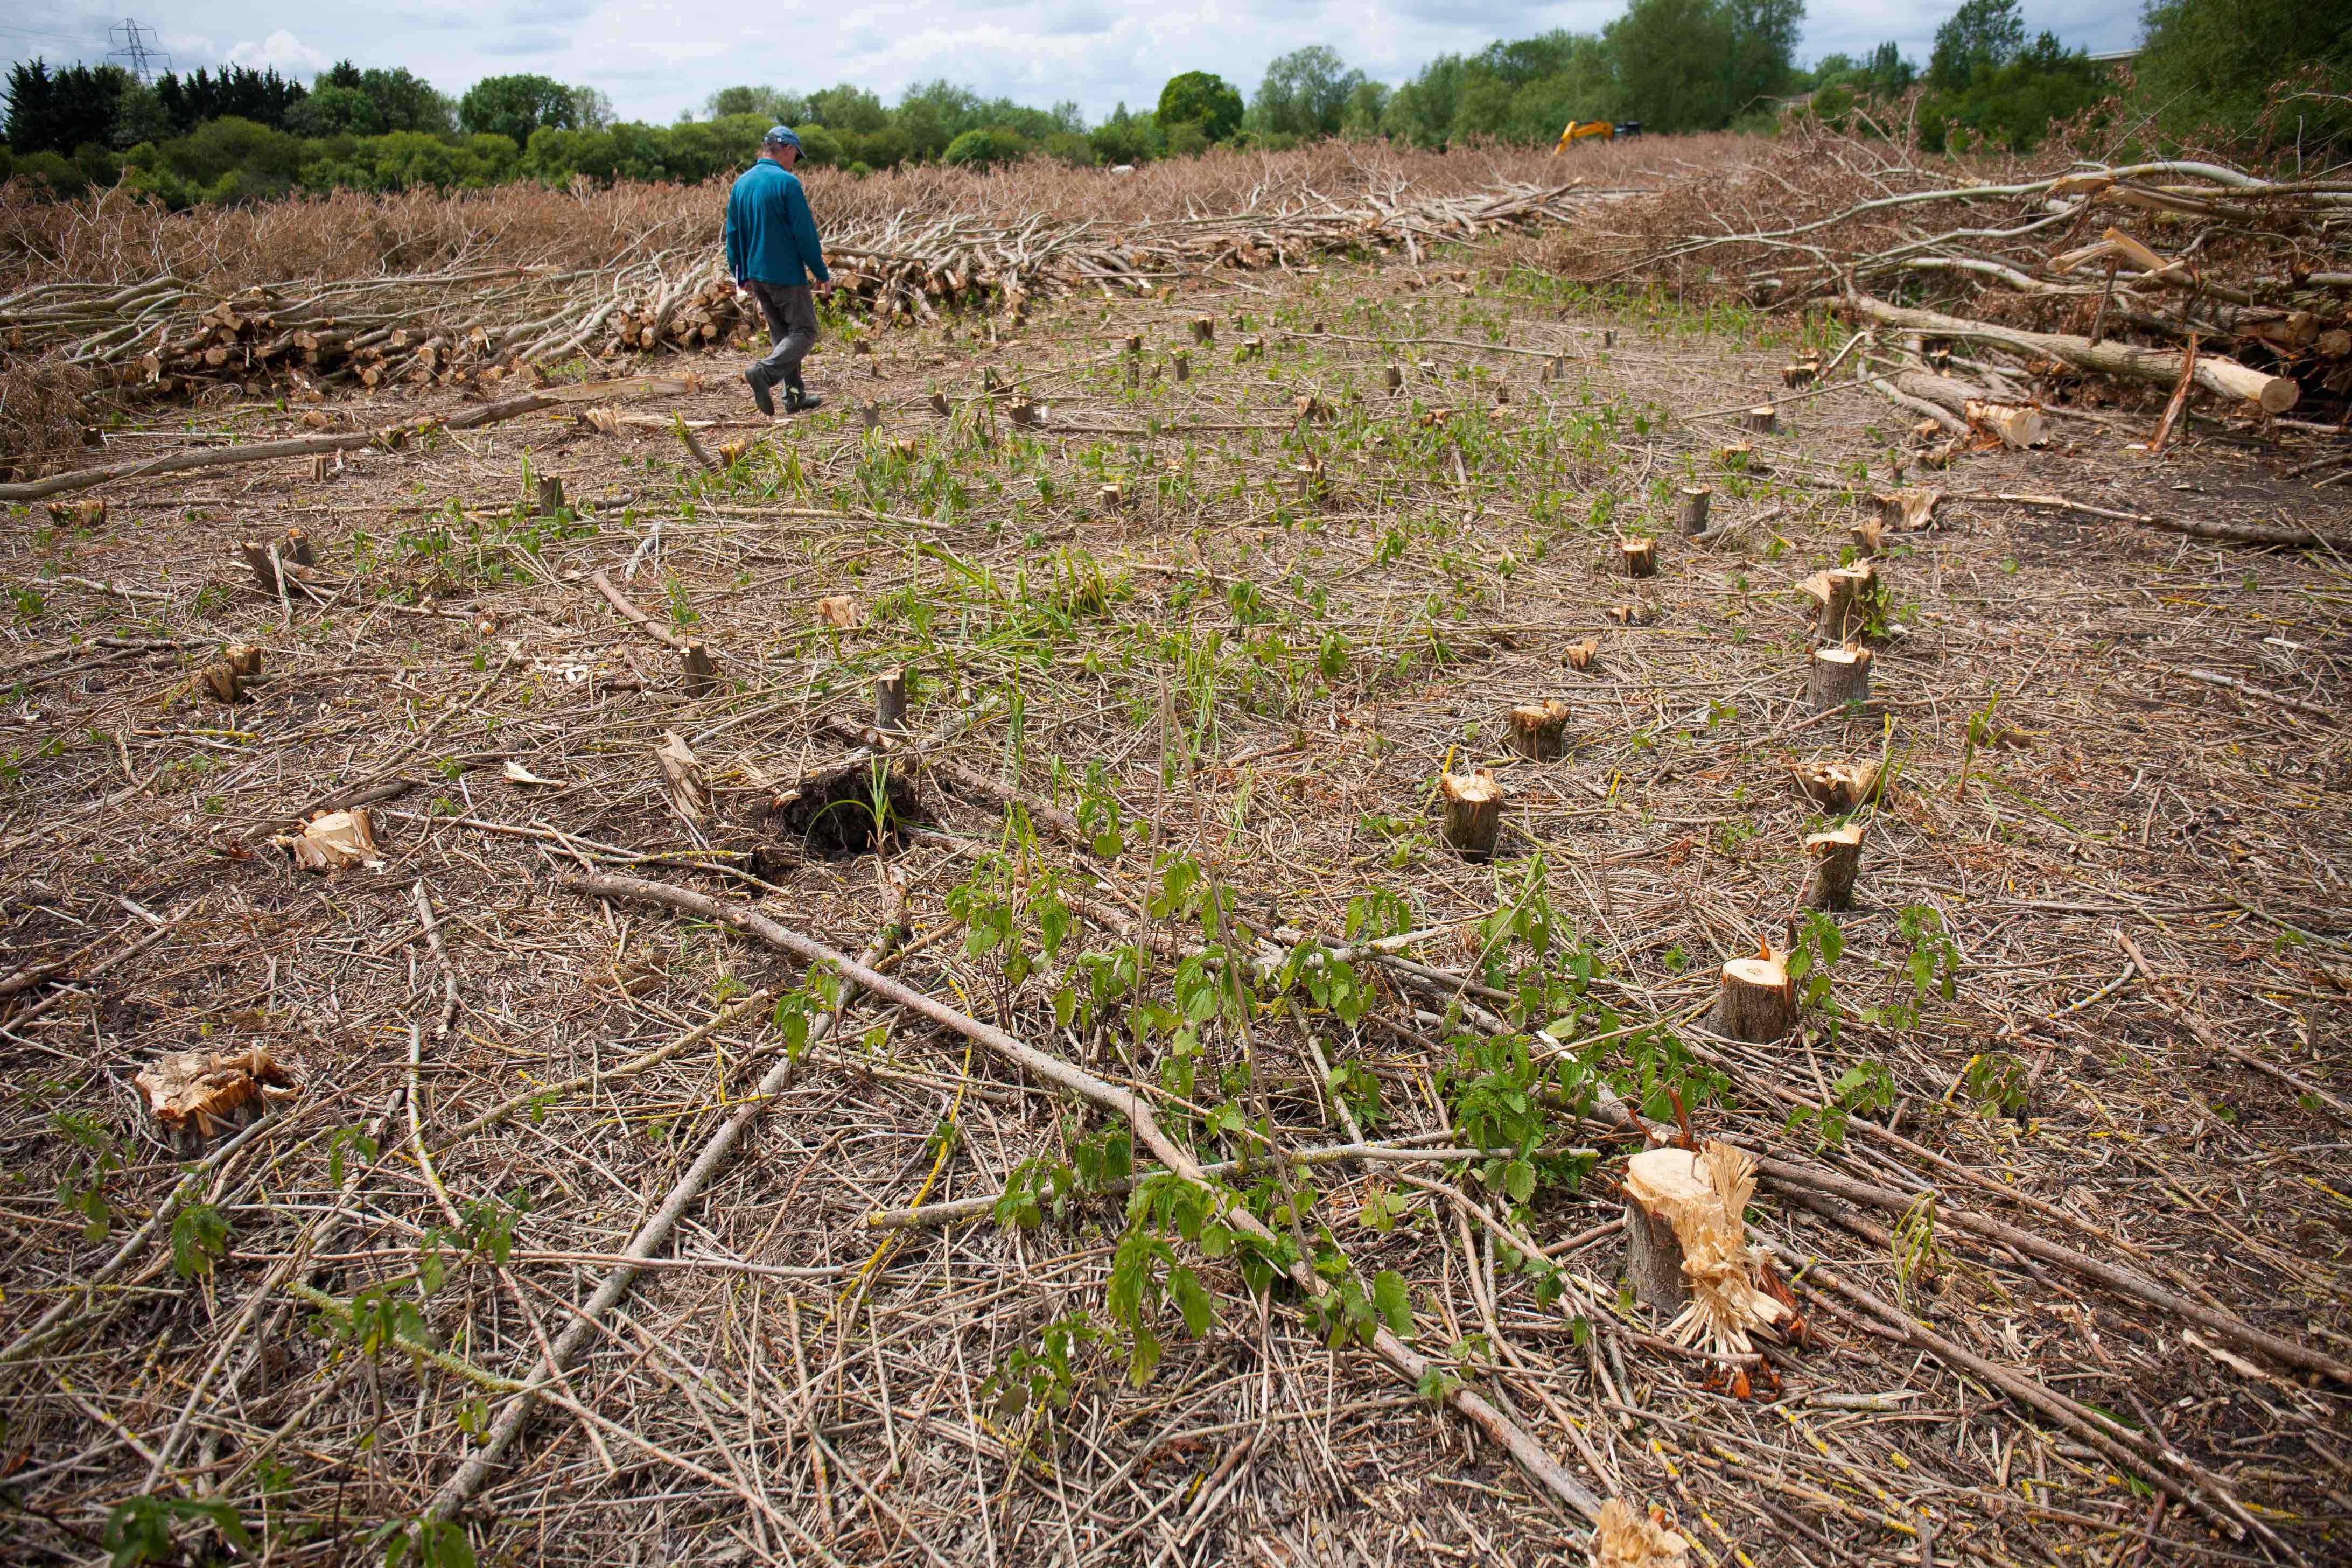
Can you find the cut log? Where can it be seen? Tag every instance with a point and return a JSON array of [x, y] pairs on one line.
[[890, 702], [1473, 812], [1757, 1003], [1837, 861], [701, 674], [1692, 517], [2017, 425], [1839, 676], [1837, 786], [1763, 419], [1635, 558], [2226, 377], [1657, 1182], [1536, 729]]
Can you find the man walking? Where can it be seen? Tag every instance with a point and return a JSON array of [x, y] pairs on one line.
[[773, 251]]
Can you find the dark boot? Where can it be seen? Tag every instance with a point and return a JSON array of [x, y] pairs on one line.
[[796, 396], [758, 384]]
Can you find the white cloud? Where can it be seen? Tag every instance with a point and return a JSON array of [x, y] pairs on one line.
[[282, 50]]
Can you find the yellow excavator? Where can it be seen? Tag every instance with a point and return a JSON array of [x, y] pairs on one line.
[[1585, 129]]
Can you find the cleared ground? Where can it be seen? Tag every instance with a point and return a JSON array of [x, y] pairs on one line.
[[2095, 985]]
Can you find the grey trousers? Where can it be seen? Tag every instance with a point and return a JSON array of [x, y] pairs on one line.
[[792, 327]]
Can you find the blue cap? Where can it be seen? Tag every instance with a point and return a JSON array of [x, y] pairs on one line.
[[779, 135]]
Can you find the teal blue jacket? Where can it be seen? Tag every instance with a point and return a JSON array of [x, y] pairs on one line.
[[771, 233]]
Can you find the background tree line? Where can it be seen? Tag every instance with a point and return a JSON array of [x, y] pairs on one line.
[[1672, 65]]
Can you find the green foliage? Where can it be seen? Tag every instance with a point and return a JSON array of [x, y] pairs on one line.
[[1304, 94], [515, 106], [1931, 968], [199, 1239], [2209, 69], [81, 1191], [429, 1544], [1049, 1375], [140, 1530], [1201, 99], [985, 147], [1862, 1089], [1997, 1083]]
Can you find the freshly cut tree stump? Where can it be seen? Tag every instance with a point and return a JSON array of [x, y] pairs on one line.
[[1740, 458], [1024, 412], [1134, 372], [701, 674], [1845, 594], [1181, 364], [1869, 538], [1837, 861], [322, 467], [1659, 1183], [1839, 676], [1763, 419], [1393, 377], [1135, 343], [939, 404], [1635, 558], [1909, 508], [1692, 518], [225, 679], [890, 702], [1757, 1003], [1580, 655], [1205, 329], [1536, 729], [1838, 786], [551, 495], [1473, 812], [869, 414], [1801, 374], [1608, 337]]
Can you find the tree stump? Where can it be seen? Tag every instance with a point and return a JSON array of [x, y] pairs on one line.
[[1474, 813], [890, 702], [1757, 1003], [1838, 786], [1658, 1183], [1739, 458], [1763, 419], [1845, 594], [1839, 676], [223, 679], [869, 414], [701, 674], [939, 404], [1580, 655], [1691, 518], [1393, 377], [1837, 861], [1135, 343], [1181, 364], [1205, 329], [551, 495], [296, 547], [1608, 337], [1536, 729], [1635, 558], [322, 467], [1799, 375], [1134, 372], [1869, 538]]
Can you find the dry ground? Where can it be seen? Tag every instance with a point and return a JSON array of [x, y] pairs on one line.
[[1264, 670]]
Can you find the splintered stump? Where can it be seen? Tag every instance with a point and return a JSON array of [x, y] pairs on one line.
[[1763, 419], [1205, 329], [1692, 517], [1838, 786], [1473, 812], [1839, 676], [1869, 538], [1658, 1183], [701, 674], [1635, 558], [223, 679], [890, 702], [1536, 729], [1837, 861], [551, 495], [1845, 594], [1756, 1003]]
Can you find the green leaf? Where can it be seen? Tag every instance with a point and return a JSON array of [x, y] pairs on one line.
[[1200, 1311], [1395, 1306], [199, 1236]]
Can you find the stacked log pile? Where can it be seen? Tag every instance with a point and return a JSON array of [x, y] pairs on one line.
[[167, 336]]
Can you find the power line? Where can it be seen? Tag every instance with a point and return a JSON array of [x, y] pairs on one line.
[[135, 51]]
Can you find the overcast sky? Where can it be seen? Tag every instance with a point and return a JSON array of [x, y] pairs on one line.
[[658, 60]]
